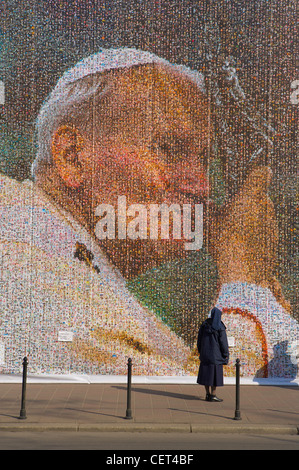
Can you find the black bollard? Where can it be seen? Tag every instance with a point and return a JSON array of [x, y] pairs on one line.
[[129, 411], [237, 410], [24, 383]]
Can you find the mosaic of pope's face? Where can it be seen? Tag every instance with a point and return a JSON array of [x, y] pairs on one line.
[[145, 136]]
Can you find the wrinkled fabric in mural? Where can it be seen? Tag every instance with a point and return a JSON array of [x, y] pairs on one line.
[[148, 164]]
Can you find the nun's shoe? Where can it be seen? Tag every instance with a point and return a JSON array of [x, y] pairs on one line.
[[214, 398], [208, 397]]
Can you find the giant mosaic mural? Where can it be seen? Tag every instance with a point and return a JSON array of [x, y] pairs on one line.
[[148, 160]]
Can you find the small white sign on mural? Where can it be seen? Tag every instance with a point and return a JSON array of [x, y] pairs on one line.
[[2, 92], [2, 354], [66, 336], [231, 341]]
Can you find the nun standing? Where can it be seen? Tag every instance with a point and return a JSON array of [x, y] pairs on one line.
[[213, 351]]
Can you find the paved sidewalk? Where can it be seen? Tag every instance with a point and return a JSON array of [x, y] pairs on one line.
[[155, 407]]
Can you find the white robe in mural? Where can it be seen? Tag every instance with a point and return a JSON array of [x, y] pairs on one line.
[[69, 317]]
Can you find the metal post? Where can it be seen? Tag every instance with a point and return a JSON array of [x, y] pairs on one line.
[[129, 411], [237, 410], [23, 404]]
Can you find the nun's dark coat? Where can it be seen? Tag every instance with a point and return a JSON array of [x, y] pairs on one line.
[[213, 350], [212, 343]]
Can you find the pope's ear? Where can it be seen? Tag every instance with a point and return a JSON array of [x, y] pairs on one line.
[[67, 148]]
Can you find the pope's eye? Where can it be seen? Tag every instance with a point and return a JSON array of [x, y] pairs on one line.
[[172, 148]]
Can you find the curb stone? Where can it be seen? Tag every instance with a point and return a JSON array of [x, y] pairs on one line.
[[151, 427], [248, 428]]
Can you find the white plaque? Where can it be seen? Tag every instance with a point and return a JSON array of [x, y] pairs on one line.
[[2, 354], [2, 92], [231, 341], [66, 336]]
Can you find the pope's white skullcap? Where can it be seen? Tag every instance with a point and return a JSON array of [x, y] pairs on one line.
[[108, 59]]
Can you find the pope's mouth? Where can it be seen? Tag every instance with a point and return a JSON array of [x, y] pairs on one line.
[[193, 191], [188, 193]]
